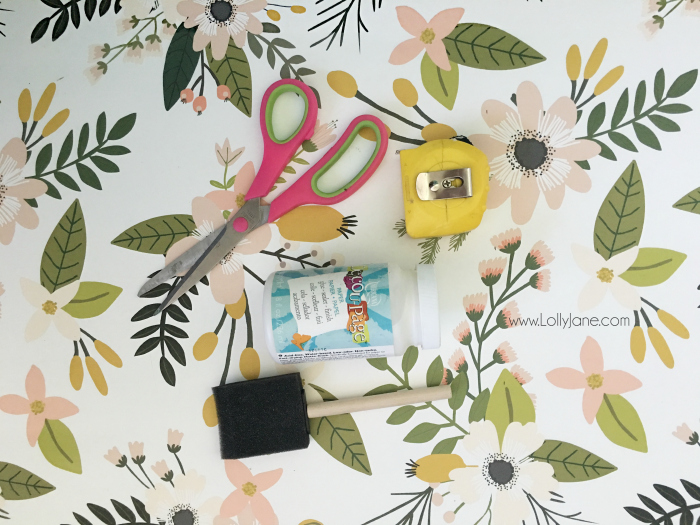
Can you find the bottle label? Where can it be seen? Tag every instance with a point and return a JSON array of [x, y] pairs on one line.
[[339, 312]]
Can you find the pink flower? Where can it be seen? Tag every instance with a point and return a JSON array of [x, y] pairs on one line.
[[463, 333], [444, 376], [174, 437], [474, 305], [595, 381], [531, 152], [492, 269], [504, 353], [686, 434], [136, 449], [225, 155], [458, 362], [522, 375], [540, 255], [508, 316], [36, 405], [248, 492], [227, 277], [426, 35], [541, 281], [160, 468], [508, 241], [322, 137], [115, 457]]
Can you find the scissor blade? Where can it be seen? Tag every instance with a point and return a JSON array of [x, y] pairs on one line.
[[255, 215]]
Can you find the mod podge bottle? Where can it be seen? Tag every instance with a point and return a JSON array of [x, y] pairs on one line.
[[345, 312]]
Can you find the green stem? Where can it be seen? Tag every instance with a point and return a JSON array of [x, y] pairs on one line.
[[279, 53], [182, 469], [630, 121], [679, 2], [580, 91], [124, 46], [224, 375], [573, 90], [76, 161], [47, 424], [225, 172], [31, 131], [422, 114], [134, 474], [405, 140], [487, 366], [248, 322], [491, 295], [290, 258], [488, 509], [85, 350], [516, 291], [510, 268], [146, 475], [87, 334], [221, 322]]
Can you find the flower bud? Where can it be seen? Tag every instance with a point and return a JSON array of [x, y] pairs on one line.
[[437, 499], [661, 347], [273, 15], [638, 344], [108, 354], [76, 372], [449, 517], [437, 131], [435, 468], [44, 102], [186, 96], [609, 80], [223, 92], [405, 92], [237, 310], [342, 83], [96, 374], [249, 363], [298, 9], [205, 346], [56, 122], [199, 104], [211, 418], [573, 62], [596, 58], [24, 105], [313, 224], [673, 324]]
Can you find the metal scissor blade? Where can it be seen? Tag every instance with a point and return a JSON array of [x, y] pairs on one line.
[[254, 214]]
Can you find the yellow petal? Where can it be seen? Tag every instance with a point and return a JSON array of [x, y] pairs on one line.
[[342, 83], [405, 92], [211, 418], [311, 224], [237, 310], [249, 363], [24, 105], [44, 102], [437, 131], [660, 346], [573, 62], [76, 372], [205, 346], [436, 468], [96, 374], [108, 354], [673, 324], [638, 344], [273, 15], [596, 58], [609, 80], [56, 122]]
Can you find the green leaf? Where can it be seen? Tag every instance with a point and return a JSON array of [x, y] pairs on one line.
[[689, 202], [81, 520], [659, 85], [646, 136], [477, 411], [459, 386], [180, 63], [409, 360], [423, 433], [101, 128], [64, 254], [269, 27], [217, 184], [60, 26], [620, 109], [234, 71], [622, 141], [605, 150], [175, 349], [102, 514], [486, 47], [281, 42], [435, 372], [683, 84], [254, 45], [122, 127], [156, 235], [124, 511], [572, 463], [104, 164], [618, 226], [446, 446], [380, 363], [289, 169], [401, 415], [383, 389], [620, 423], [52, 191], [674, 108], [141, 509], [115, 150], [58, 446], [596, 118], [88, 176], [66, 148], [43, 159], [167, 371], [440, 84], [673, 496], [653, 266], [17, 483], [664, 123], [66, 180], [640, 98], [340, 437], [92, 299], [509, 403]]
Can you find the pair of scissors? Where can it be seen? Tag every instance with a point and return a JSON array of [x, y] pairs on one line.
[[208, 252]]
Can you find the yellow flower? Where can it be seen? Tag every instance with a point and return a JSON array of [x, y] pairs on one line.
[[237, 310], [56, 122], [661, 347], [24, 105], [405, 92], [313, 224], [205, 346], [609, 80], [273, 15], [437, 131], [435, 468], [44, 102], [96, 375], [76, 372], [342, 83], [596, 58], [638, 344], [108, 354], [673, 324], [573, 62], [298, 9], [249, 363], [211, 418]]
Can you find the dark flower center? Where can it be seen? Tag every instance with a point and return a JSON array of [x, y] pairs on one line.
[[530, 153], [221, 10], [183, 517], [501, 471]]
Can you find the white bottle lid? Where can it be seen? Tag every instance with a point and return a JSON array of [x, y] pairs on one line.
[[428, 305]]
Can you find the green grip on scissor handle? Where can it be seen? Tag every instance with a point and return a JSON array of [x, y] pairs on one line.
[[270, 106]]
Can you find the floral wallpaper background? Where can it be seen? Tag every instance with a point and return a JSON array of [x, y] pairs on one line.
[[130, 130]]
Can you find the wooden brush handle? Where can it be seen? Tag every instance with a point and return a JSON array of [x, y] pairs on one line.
[[392, 399]]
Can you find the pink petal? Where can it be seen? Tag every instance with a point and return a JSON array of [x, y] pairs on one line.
[[490, 146], [35, 385], [265, 480], [26, 216], [529, 105], [568, 378], [255, 241], [524, 200], [35, 424], [244, 178], [445, 21], [224, 200], [263, 510], [239, 39], [17, 151], [592, 400], [254, 25], [237, 472], [219, 44], [252, 6], [619, 382], [565, 109], [205, 210], [58, 408], [190, 9], [226, 288], [29, 189], [591, 357], [406, 51], [582, 149], [578, 179], [7, 232], [498, 194], [555, 196], [411, 20], [437, 53], [494, 112], [200, 40], [14, 404], [234, 503], [179, 248]]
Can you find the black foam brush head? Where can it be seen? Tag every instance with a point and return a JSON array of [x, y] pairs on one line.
[[262, 416]]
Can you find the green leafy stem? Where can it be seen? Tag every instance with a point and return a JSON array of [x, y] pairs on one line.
[[430, 247], [133, 43]]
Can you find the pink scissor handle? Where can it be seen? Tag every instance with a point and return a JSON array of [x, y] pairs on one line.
[[306, 191], [277, 152]]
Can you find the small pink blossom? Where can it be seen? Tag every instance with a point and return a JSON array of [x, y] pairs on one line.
[[322, 137], [136, 449], [492, 269], [508, 317], [541, 280], [458, 362], [522, 375], [686, 434], [248, 491], [443, 381], [508, 241], [114, 456], [540, 255], [463, 333], [474, 305], [160, 468], [505, 353], [174, 437]]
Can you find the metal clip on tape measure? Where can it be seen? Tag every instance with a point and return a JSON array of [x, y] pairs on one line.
[[445, 184]]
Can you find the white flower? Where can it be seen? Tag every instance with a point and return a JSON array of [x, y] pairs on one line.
[[503, 474], [181, 503], [606, 275], [49, 308]]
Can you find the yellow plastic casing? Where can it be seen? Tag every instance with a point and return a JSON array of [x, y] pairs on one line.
[[446, 216]]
